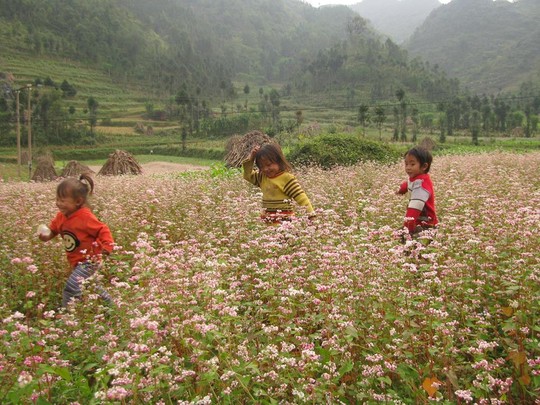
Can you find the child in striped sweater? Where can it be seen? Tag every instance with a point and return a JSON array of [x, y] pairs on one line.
[[279, 186]]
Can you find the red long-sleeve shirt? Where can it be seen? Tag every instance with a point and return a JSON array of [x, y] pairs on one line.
[[421, 208], [85, 237]]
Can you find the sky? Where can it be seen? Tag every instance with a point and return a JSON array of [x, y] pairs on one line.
[[317, 3]]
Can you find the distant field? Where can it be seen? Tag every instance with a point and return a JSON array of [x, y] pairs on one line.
[[156, 158], [119, 139], [9, 171]]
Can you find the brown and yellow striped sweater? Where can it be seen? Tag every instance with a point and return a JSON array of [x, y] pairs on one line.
[[278, 192]]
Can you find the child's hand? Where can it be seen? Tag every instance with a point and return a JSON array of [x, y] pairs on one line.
[[44, 233], [254, 152]]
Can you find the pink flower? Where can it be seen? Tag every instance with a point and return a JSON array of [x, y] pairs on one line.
[[118, 393], [24, 378], [465, 395], [32, 269]]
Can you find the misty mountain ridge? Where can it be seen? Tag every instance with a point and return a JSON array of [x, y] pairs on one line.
[[489, 45], [396, 18], [206, 45]]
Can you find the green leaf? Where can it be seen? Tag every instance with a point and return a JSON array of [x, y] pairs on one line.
[[385, 379], [62, 372], [42, 401], [324, 353], [407, 373], [345, 368], [351, 331], [89, 366]]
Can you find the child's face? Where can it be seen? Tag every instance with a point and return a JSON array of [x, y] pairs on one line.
[[68, 205], [269, 168], [413, 167]]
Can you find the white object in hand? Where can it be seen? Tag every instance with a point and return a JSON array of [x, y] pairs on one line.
[[44, 230]]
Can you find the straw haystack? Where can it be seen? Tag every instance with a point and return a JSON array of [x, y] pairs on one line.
[[238, 148], [428, 144], [24, 157], [75, 169], [45, 170], [119, 163]]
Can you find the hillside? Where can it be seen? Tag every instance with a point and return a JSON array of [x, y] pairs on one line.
[[490, 46], [396, 18], [205, 47], [183, 64], [168, 44]]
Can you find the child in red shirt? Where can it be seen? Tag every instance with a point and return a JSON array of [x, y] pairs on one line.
[[420, 213], [86, 239]]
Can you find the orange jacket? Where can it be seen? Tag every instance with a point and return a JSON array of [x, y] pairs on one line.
[[85, 237]]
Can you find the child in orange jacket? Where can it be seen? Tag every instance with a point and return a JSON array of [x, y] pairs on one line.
[[86, 239]]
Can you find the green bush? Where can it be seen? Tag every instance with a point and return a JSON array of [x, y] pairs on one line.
[[341, 150]]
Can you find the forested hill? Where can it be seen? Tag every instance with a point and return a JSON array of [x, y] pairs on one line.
[[490, 46], [199, 43]]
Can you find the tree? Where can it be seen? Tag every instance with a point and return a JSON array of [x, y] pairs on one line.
[[183, 99], [426, 121], [380, 117], [395, 136], [442, 122], [246, 92], [363, 116], [516, 119], [92, 112], [68, 89], [528, 113], [299, 119], [403, 106], [275, 102], [402, 115], [475, 126], [501, 110], [351, 94], [184, 138], [414, 118], [486, 114], [356, 27]]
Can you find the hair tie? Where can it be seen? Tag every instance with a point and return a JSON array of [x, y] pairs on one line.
[[85, 182]]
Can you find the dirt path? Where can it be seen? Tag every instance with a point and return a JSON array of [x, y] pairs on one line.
[[162, 167]]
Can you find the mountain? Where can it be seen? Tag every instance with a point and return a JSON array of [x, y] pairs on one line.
[[396, 18], [167, 44], [490, 46]]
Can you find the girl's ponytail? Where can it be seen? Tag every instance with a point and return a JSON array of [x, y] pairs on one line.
[[87, 181]]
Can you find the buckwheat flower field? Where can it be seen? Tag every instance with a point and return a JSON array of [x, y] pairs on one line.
[[213, 306]]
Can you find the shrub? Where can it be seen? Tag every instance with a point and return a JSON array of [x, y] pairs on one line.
[[341, 150]]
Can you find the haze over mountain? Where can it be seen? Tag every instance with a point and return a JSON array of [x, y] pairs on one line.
[[206, 45], [396, 18], [489, 45]]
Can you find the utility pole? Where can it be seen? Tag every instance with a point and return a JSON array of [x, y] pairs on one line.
[[18, 134], [29, 87]]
